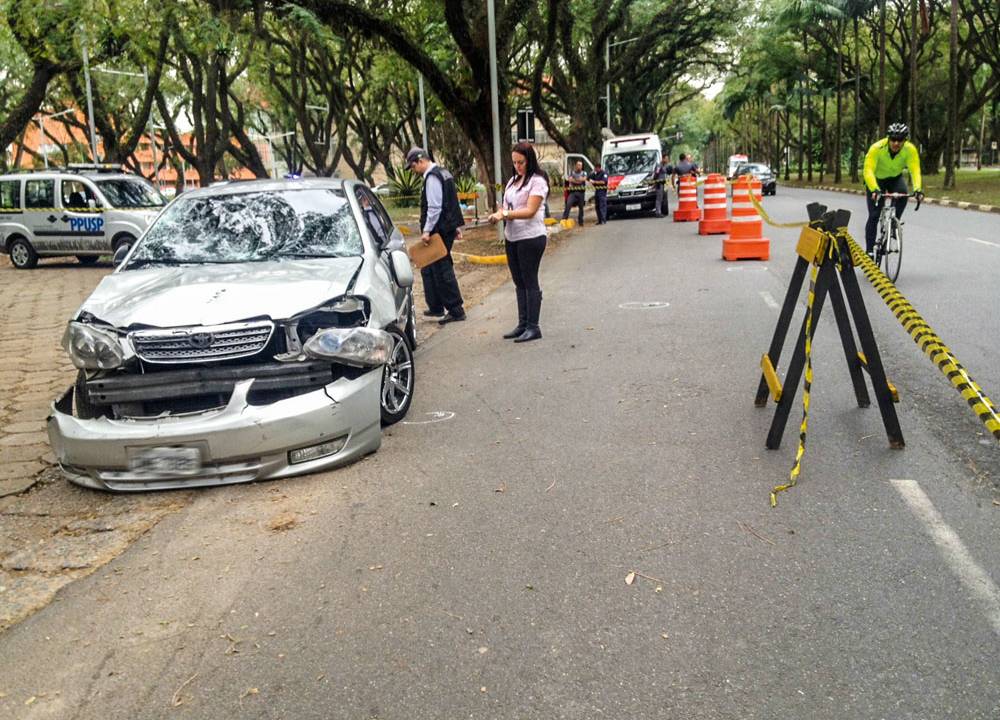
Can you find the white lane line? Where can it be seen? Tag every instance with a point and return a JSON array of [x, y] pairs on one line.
[[975, 579], [769, 300], [984, 242]]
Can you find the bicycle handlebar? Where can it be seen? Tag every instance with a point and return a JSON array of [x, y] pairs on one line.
[[893, 196]]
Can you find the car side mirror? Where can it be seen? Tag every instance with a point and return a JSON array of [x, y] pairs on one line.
[[120, 253], [402, 271]]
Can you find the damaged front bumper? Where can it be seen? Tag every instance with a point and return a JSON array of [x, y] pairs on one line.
[[238, 442]]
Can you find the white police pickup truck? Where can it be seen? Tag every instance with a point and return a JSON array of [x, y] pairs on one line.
[[82, 210]]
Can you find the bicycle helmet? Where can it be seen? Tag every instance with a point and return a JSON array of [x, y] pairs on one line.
[[898, 131]]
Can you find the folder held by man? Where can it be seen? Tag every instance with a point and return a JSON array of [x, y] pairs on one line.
[[423, 255]]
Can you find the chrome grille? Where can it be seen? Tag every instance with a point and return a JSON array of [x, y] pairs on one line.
[[202, 342]]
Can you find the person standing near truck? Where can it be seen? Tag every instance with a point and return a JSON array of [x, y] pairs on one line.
[[599, 180], [661, 176], [576, 184], [684, 166]]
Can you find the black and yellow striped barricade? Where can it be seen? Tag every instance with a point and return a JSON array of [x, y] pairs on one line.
[[822, 245]]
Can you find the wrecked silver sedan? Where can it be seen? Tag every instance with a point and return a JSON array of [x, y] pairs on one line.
[[257, 330]]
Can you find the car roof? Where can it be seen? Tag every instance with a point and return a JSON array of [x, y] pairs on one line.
[[70, 174], [238, 187]]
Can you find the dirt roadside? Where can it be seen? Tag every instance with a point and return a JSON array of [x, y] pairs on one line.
[[52, 532]]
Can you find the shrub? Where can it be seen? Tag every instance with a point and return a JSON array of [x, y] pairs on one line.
[[406, 188]]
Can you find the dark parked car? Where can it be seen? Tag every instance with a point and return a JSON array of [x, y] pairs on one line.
[[768, 180]]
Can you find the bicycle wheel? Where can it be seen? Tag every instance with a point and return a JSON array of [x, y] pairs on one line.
[[881, 240], [894, 249]]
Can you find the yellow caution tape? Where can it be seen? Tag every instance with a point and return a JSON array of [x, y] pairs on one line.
[[793, 476], [765, 216], [931, 344], [18, 211]]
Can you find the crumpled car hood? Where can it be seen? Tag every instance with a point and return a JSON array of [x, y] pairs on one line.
[[217, 294]]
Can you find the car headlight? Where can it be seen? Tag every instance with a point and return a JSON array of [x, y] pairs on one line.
[[92, 348], [358, 346]]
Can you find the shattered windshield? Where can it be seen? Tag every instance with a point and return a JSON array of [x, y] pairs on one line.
[[251, 227], [131, 193], [630, 163]]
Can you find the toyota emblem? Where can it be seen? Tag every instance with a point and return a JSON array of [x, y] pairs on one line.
[[200, 341]]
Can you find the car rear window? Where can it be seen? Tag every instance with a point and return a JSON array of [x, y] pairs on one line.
[[40, 193], [10, 194]]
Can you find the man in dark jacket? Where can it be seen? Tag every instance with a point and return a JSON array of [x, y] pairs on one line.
[[439, 213], [599, 179], [661, 176]]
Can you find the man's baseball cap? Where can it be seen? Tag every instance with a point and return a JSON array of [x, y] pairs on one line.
[[414, 154]]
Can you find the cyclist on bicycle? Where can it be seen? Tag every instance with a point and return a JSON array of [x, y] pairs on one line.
[[884, 173]]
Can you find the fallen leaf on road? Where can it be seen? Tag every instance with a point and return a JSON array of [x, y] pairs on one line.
[[665, 636], [30, 700], [282, 521], [996, 502], [375, 567], [630, 578], [177, 700], [250, 691]]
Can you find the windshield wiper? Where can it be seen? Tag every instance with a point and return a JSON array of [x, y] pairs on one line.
[[305, 255]]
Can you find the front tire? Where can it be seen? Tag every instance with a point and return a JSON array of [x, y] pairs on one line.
[[22, 255], [894, 249], [125, 240], [397, 380]]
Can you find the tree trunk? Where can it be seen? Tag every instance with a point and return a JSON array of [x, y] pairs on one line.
[[881, 69], [840, 103], [809, 127], [953, 131], [855, 140], [801, 93], [822, 159], [913, 71]]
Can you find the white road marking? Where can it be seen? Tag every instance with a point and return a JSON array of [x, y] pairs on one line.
[[984, 242], [975, 579], [769, 300]]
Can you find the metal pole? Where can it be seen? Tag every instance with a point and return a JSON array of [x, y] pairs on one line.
[[607, 76], [152, 133], [270, 150], [90, 103], [423, 110], [41, 139], [495, 103]]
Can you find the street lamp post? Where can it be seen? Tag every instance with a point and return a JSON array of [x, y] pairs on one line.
[[494, 103], [423, 110], [41, 131], [90, 102], [607, 70]]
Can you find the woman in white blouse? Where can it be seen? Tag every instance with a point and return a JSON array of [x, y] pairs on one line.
[[524, 229]]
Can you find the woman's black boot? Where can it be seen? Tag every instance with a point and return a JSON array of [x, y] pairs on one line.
[[522, 315], [531, 330]]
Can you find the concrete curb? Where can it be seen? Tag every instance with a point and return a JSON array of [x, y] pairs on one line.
[[927, 200]]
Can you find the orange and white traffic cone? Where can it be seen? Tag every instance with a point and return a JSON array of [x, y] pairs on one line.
[[714, 221], [746, 240], [687, 200]]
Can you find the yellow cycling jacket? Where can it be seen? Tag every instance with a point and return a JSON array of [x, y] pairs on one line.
[[879, 164]]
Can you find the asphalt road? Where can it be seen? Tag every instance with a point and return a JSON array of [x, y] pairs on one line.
[[476, 566]]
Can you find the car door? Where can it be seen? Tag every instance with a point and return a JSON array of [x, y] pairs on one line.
[[86, 233], [569, 164], [42, 217], [386, 238]]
